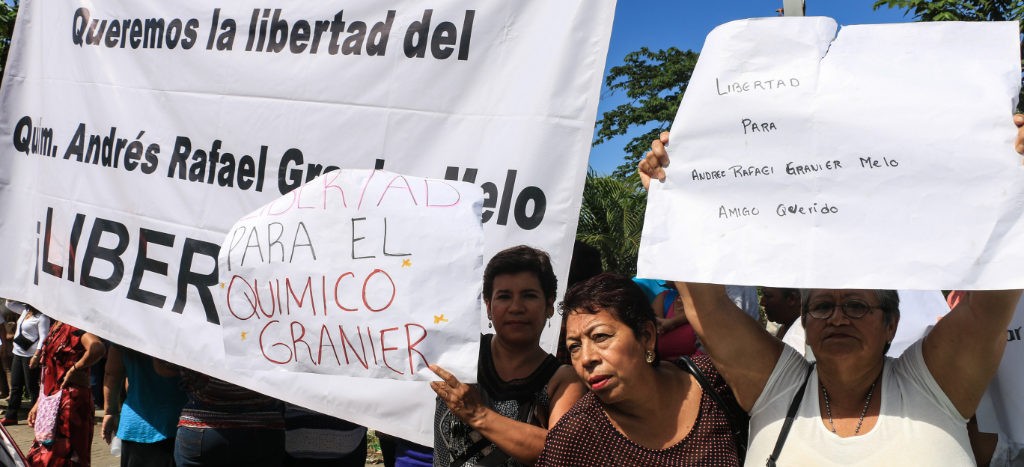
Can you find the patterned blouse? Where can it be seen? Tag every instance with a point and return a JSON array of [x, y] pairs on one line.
[[585, 436], [526, 400]]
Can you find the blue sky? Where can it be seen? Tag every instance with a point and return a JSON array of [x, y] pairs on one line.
[[660, 24]]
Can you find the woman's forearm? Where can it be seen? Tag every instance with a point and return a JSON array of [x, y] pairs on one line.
[[94, 351]]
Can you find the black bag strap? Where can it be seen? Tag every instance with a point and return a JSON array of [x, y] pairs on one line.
[[730, 409], [473, 450], [790, 415]]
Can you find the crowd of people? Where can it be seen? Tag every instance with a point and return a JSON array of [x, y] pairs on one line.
[[730, 393], [158, 413], [677, 374]]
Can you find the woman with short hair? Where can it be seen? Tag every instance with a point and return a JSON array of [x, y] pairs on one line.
[[522, 390], [640, 410]]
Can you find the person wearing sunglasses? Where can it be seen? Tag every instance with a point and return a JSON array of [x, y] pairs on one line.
[[855, 406]]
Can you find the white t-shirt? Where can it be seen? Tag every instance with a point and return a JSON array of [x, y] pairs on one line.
[[917, 424], [34, 328]]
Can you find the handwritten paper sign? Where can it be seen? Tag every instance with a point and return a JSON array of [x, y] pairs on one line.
[[880, 157], [360, 273]]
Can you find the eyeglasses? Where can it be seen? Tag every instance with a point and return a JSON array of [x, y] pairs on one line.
[[853, 309]]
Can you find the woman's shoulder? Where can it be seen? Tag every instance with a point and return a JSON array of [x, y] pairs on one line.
[[562, 376], [563, 379], [707, 368], [580, 417], [577, 436]]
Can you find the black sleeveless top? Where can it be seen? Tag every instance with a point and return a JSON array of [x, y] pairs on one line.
[[524, 399]]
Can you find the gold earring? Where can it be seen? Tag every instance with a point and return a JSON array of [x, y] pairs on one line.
[[649, 356]]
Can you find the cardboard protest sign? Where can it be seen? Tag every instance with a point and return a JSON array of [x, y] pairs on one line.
[[362, 273], [805, 158], [135, 134]]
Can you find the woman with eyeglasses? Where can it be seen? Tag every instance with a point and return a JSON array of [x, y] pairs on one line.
[[855, 406]]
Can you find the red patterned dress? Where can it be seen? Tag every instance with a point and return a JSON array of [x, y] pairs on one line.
[[72, 443]]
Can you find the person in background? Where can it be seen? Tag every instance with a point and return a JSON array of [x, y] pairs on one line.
[[398, 452], [745, 297], [30, 331], [781, 306], [586, 263], [680, 342], [675, 335], [6, 346], [96, 377], [147, 420], [223, 424], [66, 356], [522, 390], [313, 439], [650, 287]]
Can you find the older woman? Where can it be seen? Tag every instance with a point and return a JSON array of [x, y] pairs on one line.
[[860, 408], [640, 410], [522, 390]]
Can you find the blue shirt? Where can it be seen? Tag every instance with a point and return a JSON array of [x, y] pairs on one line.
[[151, 410]]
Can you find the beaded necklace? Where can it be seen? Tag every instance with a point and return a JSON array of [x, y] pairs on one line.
[[863, 412]]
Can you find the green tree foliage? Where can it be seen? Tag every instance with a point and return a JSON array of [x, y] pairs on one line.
[[958, 10], [611, 219], [964, 10], [8, 13], [654, 82]]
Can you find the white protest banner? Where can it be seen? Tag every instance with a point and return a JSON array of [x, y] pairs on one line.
[[881, 157], [362, 273], [133, 135], [1002, 408]]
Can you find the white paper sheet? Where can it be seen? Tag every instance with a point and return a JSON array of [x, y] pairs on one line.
[[363, 273], [878, 158]]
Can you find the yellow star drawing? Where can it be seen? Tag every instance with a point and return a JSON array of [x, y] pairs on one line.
[[244, 334], [440, 318], [406, 263], [222, 285]]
